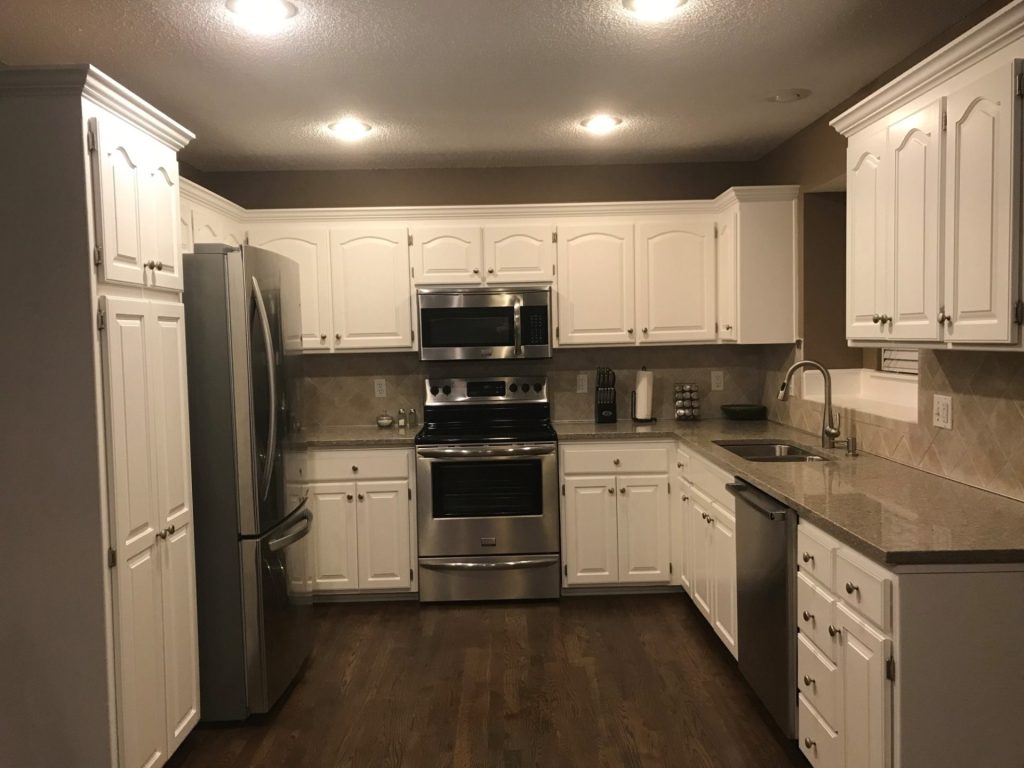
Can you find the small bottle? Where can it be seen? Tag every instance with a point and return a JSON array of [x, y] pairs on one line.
[[411, 420], [401, 418]]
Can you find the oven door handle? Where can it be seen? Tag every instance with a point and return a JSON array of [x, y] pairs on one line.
[[517, 325], [486, 452], [492, 565]]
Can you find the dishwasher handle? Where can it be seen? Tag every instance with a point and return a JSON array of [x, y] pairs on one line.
[[763, 503]]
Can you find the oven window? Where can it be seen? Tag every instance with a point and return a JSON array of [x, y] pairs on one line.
[[467, 327], [487, 488]]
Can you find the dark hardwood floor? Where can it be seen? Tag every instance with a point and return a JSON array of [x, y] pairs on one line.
[[587, 682]]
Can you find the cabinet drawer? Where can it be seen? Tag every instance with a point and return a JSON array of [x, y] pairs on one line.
[[615, 459], [712, 481], [682, 462], [867, 593], [815, 612], [357, 465], [817, 680], [815, 557], [818, 742]]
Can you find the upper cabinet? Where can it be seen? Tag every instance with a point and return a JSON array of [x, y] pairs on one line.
[[519, 253], [447, 255], [493, 255], [934, 202]]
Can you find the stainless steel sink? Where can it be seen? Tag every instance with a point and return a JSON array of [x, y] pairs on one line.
[[769, 450]]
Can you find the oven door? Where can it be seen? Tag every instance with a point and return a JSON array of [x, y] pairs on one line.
[[480, 323], [487, 500]]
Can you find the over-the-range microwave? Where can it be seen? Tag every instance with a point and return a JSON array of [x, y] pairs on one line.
[[484, 323]]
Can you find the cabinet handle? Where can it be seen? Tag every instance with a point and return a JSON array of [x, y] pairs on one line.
[[685, 497], [834, 631], [808, 616], [355, 468], [629, 331], [490, 270], [361, 497], [711, 520], [886, 319], [851, 588], [944, 319], [808, 557], [876, 319], [644, 331], [616, 462], [808, 681], [162, 534], [810, 743], [476, 271], [727, 327], [159, 266], [349, 497], [611, 490], [622, 490], [323, 337], [149, 265], [704, 516], [337, 337], [679, 464]]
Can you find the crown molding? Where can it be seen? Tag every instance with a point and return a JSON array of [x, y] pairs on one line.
[[997, 31], [767, 194], [197, 194]]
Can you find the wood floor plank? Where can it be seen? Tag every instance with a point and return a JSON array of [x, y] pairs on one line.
[[619, 682]]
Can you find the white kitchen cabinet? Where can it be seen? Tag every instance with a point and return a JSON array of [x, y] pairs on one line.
[[309, 248], [213, 226], [590, 541], [983, 252], [702, 553], [726, 258], [675, 280], [385, 560], [336, 545], [682, 530], [596, 274], [370, 292], [519, 253], [723, 576], [447, 255], [866, 692], [643, 529], [158, 211], [865, 237]]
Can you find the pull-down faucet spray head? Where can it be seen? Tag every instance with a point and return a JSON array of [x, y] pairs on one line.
[[784, 391]]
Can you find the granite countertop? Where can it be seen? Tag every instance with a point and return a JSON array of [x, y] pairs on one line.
[[894, 514], [356, 437]]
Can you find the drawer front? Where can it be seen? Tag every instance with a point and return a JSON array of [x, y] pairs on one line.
[[381, 464], [712, 481], [814, 557], [615, 459], [815, 613], [682, 462], [867, 593], [817, 680], [818, 742]]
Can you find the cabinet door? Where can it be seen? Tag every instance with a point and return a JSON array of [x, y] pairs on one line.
[[867, 693], [701, 551], [519, 254], [370, 292], [595, 284], [590, 548], [168, 387], [210, 226], [185, 226], [726, 266], [308, 247], [118, 173], [983, 209], [866, 273], [682, 535], [914, 236], [447, 255], [644, 529], [160, 220], [723, 576], [675, 273], [335, 552], [135, 521], [385, 560]]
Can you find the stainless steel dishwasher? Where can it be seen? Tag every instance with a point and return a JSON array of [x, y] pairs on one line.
[[766, 600]]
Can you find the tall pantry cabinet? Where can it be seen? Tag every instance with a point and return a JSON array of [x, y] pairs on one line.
[[101, 668]]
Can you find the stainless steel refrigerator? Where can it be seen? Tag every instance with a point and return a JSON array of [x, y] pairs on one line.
[[254, 598]]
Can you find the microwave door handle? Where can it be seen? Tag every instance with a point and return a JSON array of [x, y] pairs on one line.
[[517, 325]]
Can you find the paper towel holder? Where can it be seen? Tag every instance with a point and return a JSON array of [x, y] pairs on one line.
[[632, 406]]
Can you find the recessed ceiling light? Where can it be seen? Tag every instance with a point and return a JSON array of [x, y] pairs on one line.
[[351, 129], [790, 94], [653, 10], [262, 17], [600, 125]]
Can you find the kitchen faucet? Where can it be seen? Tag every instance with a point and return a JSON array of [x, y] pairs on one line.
[[829, 430]]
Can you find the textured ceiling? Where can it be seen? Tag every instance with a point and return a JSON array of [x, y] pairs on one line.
[[480, 82]]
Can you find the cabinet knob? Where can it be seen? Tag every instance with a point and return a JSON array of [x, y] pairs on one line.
[[622, 490], [808, 681], [727, 327], [149, 265], [629, 331], [808, 616], [834, 631], [337, 337], [611, 490], [361, 497], [808, 557], [876, 319], [810, 743], [685, 497], [162, 534], [355, 468], [490, 270], [851, 588], [349, 497], [616, 462], [644, 331], [323, 337], [159, 266], [476, 271], [885, 319], [679, 464], [944, 319]]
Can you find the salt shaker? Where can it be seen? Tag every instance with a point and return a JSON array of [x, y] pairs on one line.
[[401, 418]]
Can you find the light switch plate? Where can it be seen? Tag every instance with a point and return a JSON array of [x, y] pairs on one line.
[[582, 385], [717, 381], [380, 388], [942, 411]]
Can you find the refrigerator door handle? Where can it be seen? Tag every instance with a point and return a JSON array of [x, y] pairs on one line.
[[268, 343], [293, 535]]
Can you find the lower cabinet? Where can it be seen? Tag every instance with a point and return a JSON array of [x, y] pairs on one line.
[[363, 530]]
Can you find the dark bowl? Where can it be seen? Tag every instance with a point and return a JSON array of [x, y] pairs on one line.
[[745, 412]]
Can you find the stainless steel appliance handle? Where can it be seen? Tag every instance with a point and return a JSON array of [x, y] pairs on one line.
[[306, 519], [268, 344], [517, 325], [500, 565], [481, 452], [752, 497]]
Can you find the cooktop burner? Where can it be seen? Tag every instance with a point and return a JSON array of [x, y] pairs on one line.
[[494, 410]]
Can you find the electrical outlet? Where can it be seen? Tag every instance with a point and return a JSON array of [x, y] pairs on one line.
[[942, 411], [717, 381], [380, 388], [581, 384]]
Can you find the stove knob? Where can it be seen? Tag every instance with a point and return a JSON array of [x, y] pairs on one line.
[[434, 391], [446, 389], [538, 387], [525, 386], [513, 388]]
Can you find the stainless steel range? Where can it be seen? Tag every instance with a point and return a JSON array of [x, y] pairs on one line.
[[487, 491]]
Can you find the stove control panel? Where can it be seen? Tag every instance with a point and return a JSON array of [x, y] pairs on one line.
[[518, 389]]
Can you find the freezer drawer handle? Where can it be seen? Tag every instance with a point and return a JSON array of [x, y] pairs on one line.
[[501, 565], [306, 519]]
